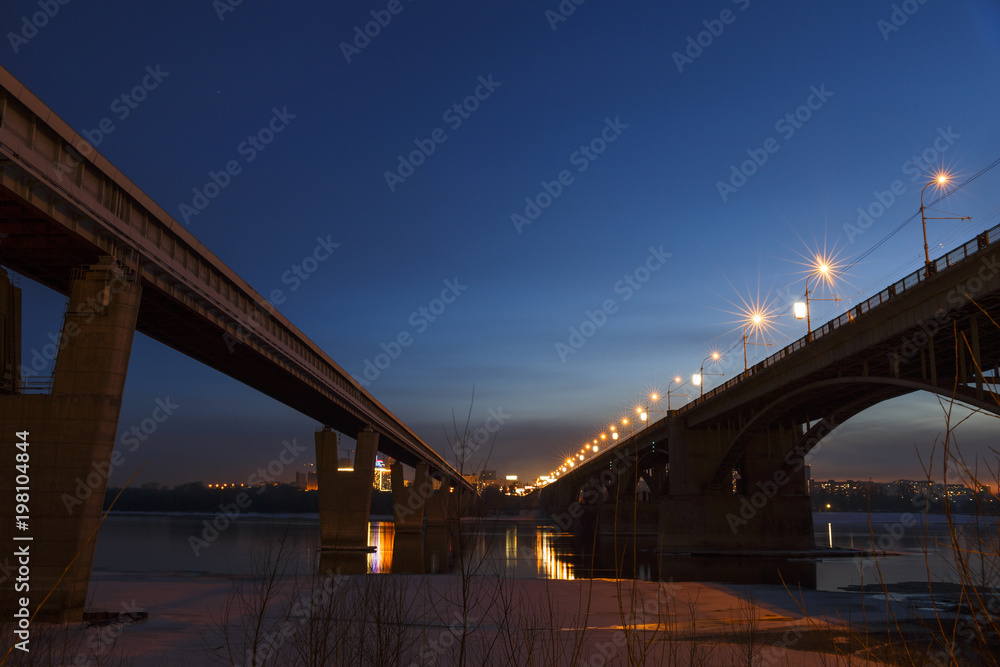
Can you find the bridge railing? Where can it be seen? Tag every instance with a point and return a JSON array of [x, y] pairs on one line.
[[956, 256], [36, 384]]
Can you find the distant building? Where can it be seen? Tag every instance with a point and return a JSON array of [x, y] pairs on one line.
[[383, 475], [306, 481]]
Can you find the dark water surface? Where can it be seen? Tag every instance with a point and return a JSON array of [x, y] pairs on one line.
[[157, 543]]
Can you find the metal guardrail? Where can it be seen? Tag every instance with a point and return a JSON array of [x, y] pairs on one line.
[[956, 256], [35, 384]]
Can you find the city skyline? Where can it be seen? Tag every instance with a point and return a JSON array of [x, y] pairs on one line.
[[444, 214]]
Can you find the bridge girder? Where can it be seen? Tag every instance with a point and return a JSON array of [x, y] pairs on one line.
[[879, 389]]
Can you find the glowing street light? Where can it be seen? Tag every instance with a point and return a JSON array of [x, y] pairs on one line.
[[757, 322], [697, 378], [614, 435], [678, 380], [826, 270], [626, 421], [940, 180], [643, 412]]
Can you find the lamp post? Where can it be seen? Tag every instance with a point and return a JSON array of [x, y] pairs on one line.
[[940, 180], [643, 412], [676, 379], [697, 379], [756, 323], [826, 272]]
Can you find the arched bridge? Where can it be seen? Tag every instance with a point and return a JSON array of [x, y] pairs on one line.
[[726, 471]]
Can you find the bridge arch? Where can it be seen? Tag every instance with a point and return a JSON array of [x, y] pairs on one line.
[[880, 389]]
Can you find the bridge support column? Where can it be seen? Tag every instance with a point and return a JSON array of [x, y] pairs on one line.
[[408, 501], [443, 508], [770, 516], [345, 496], [71, 435]]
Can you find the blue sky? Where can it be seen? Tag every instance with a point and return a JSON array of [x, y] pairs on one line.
[[622, 124]]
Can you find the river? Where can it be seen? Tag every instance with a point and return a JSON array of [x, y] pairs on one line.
[[918, 550]]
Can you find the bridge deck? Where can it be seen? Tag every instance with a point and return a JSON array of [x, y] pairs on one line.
[[63, 205]]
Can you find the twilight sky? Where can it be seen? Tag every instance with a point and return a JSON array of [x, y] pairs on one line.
[[482, 180]]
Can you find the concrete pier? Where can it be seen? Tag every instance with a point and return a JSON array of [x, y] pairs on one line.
[[71, 435], [408, 502], [345, 496]]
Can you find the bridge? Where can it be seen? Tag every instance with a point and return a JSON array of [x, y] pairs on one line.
[[727, 471], [72, 222]]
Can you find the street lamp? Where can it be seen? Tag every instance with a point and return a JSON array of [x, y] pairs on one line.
[[653, 398], [642, 413], [940, 180], [614, 435], [676, 379], [626, 421], [757, 322], [697, 378], [823, 268]]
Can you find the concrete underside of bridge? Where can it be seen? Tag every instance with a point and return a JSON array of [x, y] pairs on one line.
[[71, 435]]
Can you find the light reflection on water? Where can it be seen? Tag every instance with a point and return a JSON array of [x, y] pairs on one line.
[[524, 549]]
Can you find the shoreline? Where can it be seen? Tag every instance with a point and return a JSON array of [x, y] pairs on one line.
[[172, 620]]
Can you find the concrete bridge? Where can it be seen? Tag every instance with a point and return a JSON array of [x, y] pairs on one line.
[[727, 471], [71, 221]]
